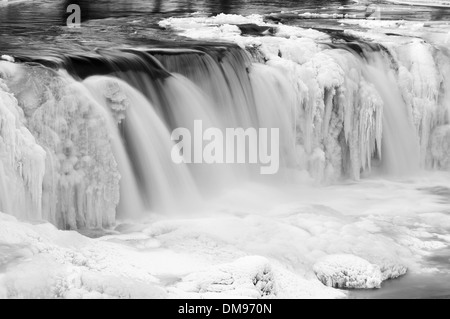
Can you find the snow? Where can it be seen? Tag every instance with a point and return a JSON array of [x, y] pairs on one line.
[[240, 247], [380, 24], [225, 27], [221, 19], [7, 58], [47, 263]]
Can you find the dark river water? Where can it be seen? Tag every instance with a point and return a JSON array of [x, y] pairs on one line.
[[36, 16], [39, 25]]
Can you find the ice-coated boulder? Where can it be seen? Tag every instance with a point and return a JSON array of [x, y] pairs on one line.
[[248, 277], [352, 272]]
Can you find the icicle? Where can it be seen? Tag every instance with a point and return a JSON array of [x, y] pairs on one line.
[[22, 161], [74, 183]]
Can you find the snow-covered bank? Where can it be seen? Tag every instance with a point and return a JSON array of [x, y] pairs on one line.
[[38, 261], [351, 272], [239, 247]]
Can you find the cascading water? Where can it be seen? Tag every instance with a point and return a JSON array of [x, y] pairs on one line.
[[87, 147], [400, 147], [148, 146]]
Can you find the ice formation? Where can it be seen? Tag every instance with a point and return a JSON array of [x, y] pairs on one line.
[[42, 262], [352, 272], [348, 112], [249, 277], [71, 177], [22, 161], [440, 147]]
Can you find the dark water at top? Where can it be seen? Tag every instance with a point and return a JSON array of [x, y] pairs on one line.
[[38, 26], [35, 16]]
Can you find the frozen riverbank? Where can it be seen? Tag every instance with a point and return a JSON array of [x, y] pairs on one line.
[[254, 248]]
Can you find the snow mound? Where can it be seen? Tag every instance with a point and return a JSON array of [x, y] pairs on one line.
[[41, 262], [7, 58], [221, 19], [225, 27], [352, 272], [248, 277]]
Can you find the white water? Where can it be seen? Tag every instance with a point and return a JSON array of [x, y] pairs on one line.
[[157, 178], [400, 148]]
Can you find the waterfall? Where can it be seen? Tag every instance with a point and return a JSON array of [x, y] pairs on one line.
[[159, 180], [400, 148], [86, 139]]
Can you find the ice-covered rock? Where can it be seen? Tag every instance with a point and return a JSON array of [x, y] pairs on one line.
[[248, 277], [56, 170], [352, 272], [22, 161]]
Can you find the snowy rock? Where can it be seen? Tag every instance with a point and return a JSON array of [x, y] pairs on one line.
[[352, 272], [7, 58], [249, 277], [392, 270]]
